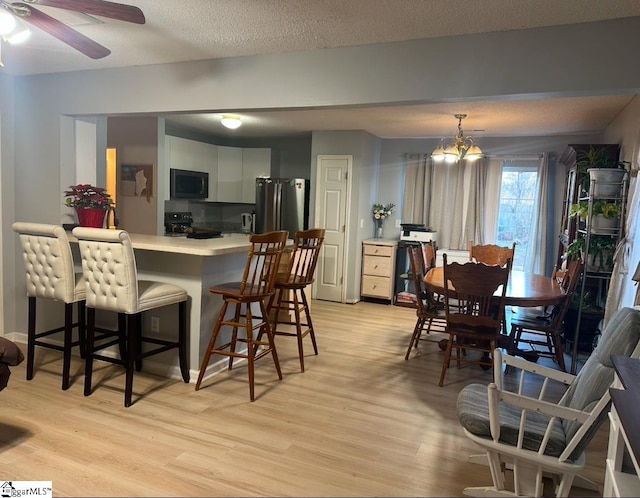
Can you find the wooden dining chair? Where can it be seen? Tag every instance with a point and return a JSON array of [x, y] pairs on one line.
[[256, 287], [474, 319], [491, 254], [429, 311], [429, 252], [545, 329]]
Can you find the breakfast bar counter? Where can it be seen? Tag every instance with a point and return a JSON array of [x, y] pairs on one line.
[[227, 244], [196, 265]]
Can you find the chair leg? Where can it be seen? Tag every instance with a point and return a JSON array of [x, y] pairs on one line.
[[558, 351], [234, 333], [82, 328], [66, 353], [447, 358], [122, 336], [270, 336], [251, 350], [31, 337], [182, 341], [415, 337], [307, 313], [296, 311], [134, 325], [212, 341], [90, 346]]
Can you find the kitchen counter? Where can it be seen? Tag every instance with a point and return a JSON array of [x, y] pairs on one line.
[[196, 265], [228, 243]]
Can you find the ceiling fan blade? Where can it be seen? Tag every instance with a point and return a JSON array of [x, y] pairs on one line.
[[64, 33], [101, 8]]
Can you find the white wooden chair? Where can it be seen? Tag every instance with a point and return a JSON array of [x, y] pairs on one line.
[[536, 437]]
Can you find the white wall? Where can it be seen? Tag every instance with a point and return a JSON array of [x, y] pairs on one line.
[[625, 130], [554, 61]]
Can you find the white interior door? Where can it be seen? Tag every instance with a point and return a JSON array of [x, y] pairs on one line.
[[331, 208]]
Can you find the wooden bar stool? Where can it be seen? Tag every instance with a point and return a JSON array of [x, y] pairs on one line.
[[257, 286], [110, 273], [290, 296], [50, 275]]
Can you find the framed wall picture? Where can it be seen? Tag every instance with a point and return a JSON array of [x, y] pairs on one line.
[[136, 180]]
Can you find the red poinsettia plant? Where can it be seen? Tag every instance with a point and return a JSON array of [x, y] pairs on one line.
[[88, 196]]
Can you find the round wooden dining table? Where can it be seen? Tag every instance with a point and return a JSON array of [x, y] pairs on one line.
[[523, 289]]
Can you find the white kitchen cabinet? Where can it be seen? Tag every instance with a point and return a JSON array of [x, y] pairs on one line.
[[256, 162], [182, 153], [238, 169], [229, 174], [232, 170]]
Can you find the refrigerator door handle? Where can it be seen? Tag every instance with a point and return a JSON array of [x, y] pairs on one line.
[[277, 200]]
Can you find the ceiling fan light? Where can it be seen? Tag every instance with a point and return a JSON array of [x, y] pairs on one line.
[[18, 36], [7, 23], [231, 122]]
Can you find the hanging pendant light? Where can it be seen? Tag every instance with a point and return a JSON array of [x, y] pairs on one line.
[[458, 147]]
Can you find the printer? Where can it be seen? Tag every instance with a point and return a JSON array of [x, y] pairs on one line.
[[417, 233]]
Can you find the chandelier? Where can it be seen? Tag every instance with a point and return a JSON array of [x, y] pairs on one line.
[[459, 147]]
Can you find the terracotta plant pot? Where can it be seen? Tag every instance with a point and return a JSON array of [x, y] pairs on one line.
[[91, 217]]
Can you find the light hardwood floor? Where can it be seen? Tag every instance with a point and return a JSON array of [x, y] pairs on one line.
[[360, 421]]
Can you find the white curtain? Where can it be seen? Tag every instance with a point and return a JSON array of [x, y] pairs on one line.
[[622, 256], [492, 201], [535, 260], [450, 198]]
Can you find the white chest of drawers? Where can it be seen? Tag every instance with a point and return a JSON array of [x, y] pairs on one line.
[[378, 268]]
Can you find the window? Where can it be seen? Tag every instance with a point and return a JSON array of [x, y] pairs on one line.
[[517, 207]]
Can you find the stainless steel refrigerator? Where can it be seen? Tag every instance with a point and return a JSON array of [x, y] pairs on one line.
[[282, 204]]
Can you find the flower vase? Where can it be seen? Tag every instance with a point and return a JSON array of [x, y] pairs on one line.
[[91, 217], [379, 230]]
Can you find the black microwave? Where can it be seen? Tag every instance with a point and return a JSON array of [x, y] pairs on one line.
[[189, 184]]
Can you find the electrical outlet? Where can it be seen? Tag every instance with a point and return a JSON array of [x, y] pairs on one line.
[[155, 324], [398, 224]]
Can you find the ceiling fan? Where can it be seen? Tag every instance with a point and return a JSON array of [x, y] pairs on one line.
[[27, 12]]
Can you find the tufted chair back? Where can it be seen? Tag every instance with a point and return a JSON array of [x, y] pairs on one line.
[[48, 262], [109, 268]]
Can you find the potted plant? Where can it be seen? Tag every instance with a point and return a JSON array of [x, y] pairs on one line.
[[590, 316], [600, 254], [604, 214], [91, 204], [597, 163]]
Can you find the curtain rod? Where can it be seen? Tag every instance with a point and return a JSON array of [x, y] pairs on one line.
[[521, 157]]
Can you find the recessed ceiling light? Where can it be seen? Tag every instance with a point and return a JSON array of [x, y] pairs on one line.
[[231, 122]]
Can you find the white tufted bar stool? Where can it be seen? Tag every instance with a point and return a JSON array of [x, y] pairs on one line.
[[112, 284], [50, 275]]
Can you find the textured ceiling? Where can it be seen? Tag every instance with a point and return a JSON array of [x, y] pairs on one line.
[[205, 29]]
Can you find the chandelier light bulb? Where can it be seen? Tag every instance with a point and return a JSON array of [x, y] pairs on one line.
[[459, 147]]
